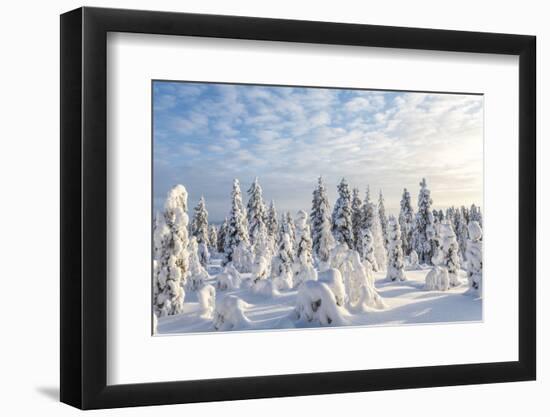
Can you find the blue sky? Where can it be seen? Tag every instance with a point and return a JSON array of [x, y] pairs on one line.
[[207, 134]]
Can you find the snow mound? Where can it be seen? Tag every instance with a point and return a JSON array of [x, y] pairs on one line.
[[229, 279], [413, 261], [207, 300], [316, 303], [438, 279], [333, 278], [260, 268], [369, 299], [229, 314], [265, 287], [283, 281]]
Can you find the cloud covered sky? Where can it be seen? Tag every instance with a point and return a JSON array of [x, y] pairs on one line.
[[204, 135]]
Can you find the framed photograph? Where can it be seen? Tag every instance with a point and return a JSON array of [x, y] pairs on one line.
[[259, 208]]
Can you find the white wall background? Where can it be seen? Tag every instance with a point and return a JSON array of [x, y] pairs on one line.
[[29, 164]]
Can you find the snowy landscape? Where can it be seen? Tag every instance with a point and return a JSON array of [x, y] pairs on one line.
[[313, 260]]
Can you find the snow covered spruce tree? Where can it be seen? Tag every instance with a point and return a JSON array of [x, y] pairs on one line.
[[475, 215], [321, 233], [474, 258], [197, 275], [357, 221], [368, 229], [281, 267], [368, 249], [406, 216], [383, 218], [423, 222], [199, 229], [262, 251], [213, 238], [341, 216], [378, 240], [447, 256], [221, 236], [256, 211], [171, 266], [461, 230], [303, 263], [236, 237], [272, 222], [395, 270]]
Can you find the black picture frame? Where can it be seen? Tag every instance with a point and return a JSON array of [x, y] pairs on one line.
[[84, 207]]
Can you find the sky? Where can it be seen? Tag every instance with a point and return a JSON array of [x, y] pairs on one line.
[[206, 134]]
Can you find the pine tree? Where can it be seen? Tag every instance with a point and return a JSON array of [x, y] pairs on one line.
[[256, 211], [423, 223], [199, 230], [197, 273], [474, 258], [281, 268], [378, 240], [199, 225], [461, 231], [447, 256], [237, 232], [213, 238], [272, 223], [475, 215], [406, 216], [221, 236], [357, 221], [321, 234], [303, 268], [171, 266], [383, 218], [368, 249], [341, 216], [395, 252]]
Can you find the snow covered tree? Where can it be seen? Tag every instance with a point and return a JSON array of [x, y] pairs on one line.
[[406, 216], [199, 229], [256, 211], [461, 230], [368, 249], [262, 251], [341, 216], [303, 263], [281, 267], [321, 233], [360, 293], [236, 235], [357, 221], [197, 273], [378, 241], [272, 222], [423, 222], [395, 252], [171, 266], [383, 218], [221, 236], [286, 226], [475, 215], [447, 256], [474, 257], [199, 225], [213, 237]]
